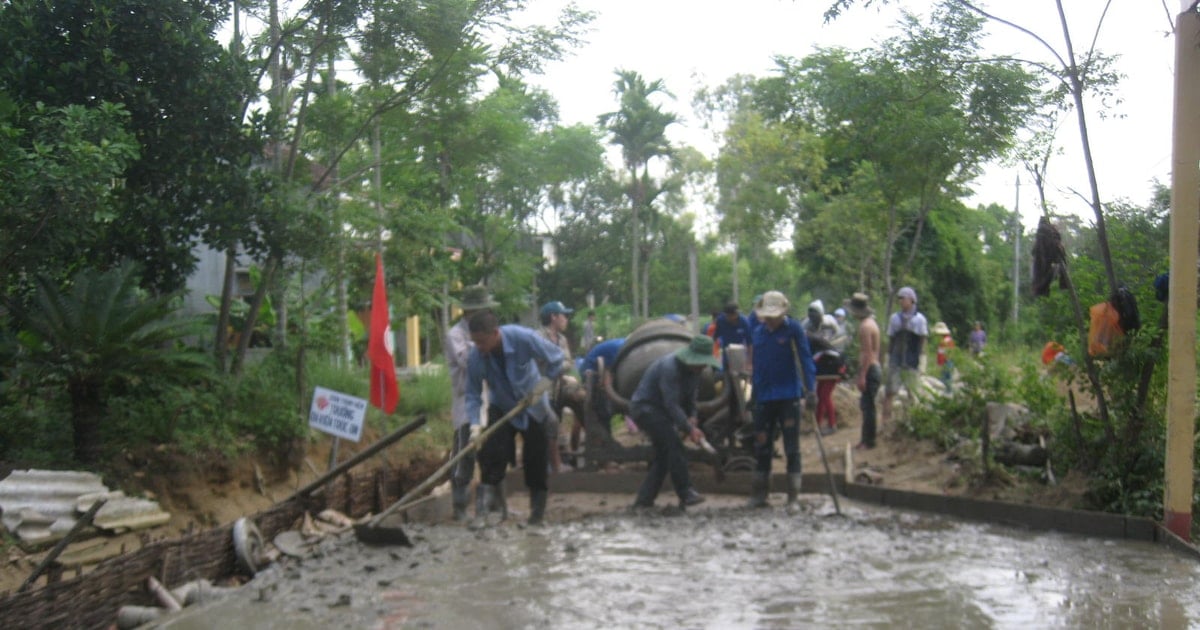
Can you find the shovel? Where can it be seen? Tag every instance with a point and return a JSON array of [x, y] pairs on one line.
[[820, 444], [828, 473], [373, 533]]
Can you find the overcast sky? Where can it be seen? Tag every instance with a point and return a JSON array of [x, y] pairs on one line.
[[690, 43]]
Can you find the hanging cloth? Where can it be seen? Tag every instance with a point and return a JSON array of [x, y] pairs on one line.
[[1048, 256]]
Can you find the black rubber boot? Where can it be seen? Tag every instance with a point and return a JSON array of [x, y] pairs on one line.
[[537, 506], [499, 504], [793, 492], [485, 503], [760, 486], [459, 497]]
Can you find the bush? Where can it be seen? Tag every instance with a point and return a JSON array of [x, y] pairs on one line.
[[36, 431]]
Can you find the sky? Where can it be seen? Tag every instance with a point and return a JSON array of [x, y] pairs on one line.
[[694, 43]]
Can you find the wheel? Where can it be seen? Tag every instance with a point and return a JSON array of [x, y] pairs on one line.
[[247, 545], [741, 463]]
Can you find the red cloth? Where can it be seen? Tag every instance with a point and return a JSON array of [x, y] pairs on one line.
[[1050, 351], [944, 345], [385, 392], [825, 409]]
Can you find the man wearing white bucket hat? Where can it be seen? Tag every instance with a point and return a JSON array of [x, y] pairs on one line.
[[782, 357]]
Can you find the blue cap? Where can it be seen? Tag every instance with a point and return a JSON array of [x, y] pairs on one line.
[[555, 307]]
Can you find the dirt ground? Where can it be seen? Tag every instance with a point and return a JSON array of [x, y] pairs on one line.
[[200, 494]]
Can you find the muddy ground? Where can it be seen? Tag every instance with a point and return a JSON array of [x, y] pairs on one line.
[[200, 494]]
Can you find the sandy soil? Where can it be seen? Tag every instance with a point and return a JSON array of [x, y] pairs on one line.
[[203, 494]]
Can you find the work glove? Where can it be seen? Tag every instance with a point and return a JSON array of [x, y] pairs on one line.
[[476, 429], [810, 401]]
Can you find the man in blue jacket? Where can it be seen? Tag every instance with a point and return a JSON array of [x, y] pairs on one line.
[[782, 360], [508, 358]]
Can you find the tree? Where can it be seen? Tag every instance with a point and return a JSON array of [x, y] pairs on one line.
[[183, 94], [62, 166], [924, 110], [98, 336], [639, 128]]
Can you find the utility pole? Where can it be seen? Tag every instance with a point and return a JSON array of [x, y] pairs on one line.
[[1017, 233], [1178, 486]]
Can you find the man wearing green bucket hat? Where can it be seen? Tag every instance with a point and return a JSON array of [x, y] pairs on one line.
[[664, 407]]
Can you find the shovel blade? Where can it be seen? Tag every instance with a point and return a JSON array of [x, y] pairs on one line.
[[380, 535]]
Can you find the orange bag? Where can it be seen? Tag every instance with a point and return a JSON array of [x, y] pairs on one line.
[[1105, 329]]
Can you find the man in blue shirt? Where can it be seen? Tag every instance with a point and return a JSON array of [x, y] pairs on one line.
[[664, 407], [513, 360], [589, 368], [732, 327], [782, 358]]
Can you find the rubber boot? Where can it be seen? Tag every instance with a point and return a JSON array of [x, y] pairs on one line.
[[485, 501], [500, 505], [690, 497], [537, 506], [459, 499], [760, 485], [793, 492]]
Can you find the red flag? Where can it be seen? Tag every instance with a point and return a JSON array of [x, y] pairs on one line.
[[385, 393]]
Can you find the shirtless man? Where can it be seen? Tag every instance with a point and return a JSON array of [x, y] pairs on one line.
[[870, 375]]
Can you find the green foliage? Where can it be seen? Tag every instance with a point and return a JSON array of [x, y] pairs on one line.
[[424, 394], [961, 414], [36, 431], [61, 169], [101, 338], [182, 98]]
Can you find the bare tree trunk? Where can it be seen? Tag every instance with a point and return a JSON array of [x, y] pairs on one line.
[[1093, 373], [635, 238], [260, 293], [221, 348], [733, 272], [1077, 95]]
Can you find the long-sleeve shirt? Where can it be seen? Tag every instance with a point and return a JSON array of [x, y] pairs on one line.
[[458, 350], [775, 376], [513, 375], [667, 389]]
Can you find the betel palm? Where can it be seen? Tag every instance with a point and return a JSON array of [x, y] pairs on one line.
[[102, 333]]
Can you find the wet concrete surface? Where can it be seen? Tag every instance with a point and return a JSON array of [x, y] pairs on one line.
[[721, 566]]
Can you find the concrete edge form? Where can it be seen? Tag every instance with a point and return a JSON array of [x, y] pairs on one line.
[[1038, 518]]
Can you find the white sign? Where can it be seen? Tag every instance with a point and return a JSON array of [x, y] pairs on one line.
[[337, 413]]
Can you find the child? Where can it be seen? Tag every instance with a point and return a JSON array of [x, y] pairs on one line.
[[945, 343]]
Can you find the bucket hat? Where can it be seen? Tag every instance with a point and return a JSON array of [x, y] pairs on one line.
[[859, 305], [476, 298], [774, 304], [698, 352]]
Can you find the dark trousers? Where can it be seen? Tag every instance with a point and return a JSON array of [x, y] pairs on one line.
[[500, 450], [668, 456], [464, 470], [867, 404], [782, 416]]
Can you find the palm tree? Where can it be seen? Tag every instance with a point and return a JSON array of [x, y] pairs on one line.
[[99, 333], [639, 128]]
